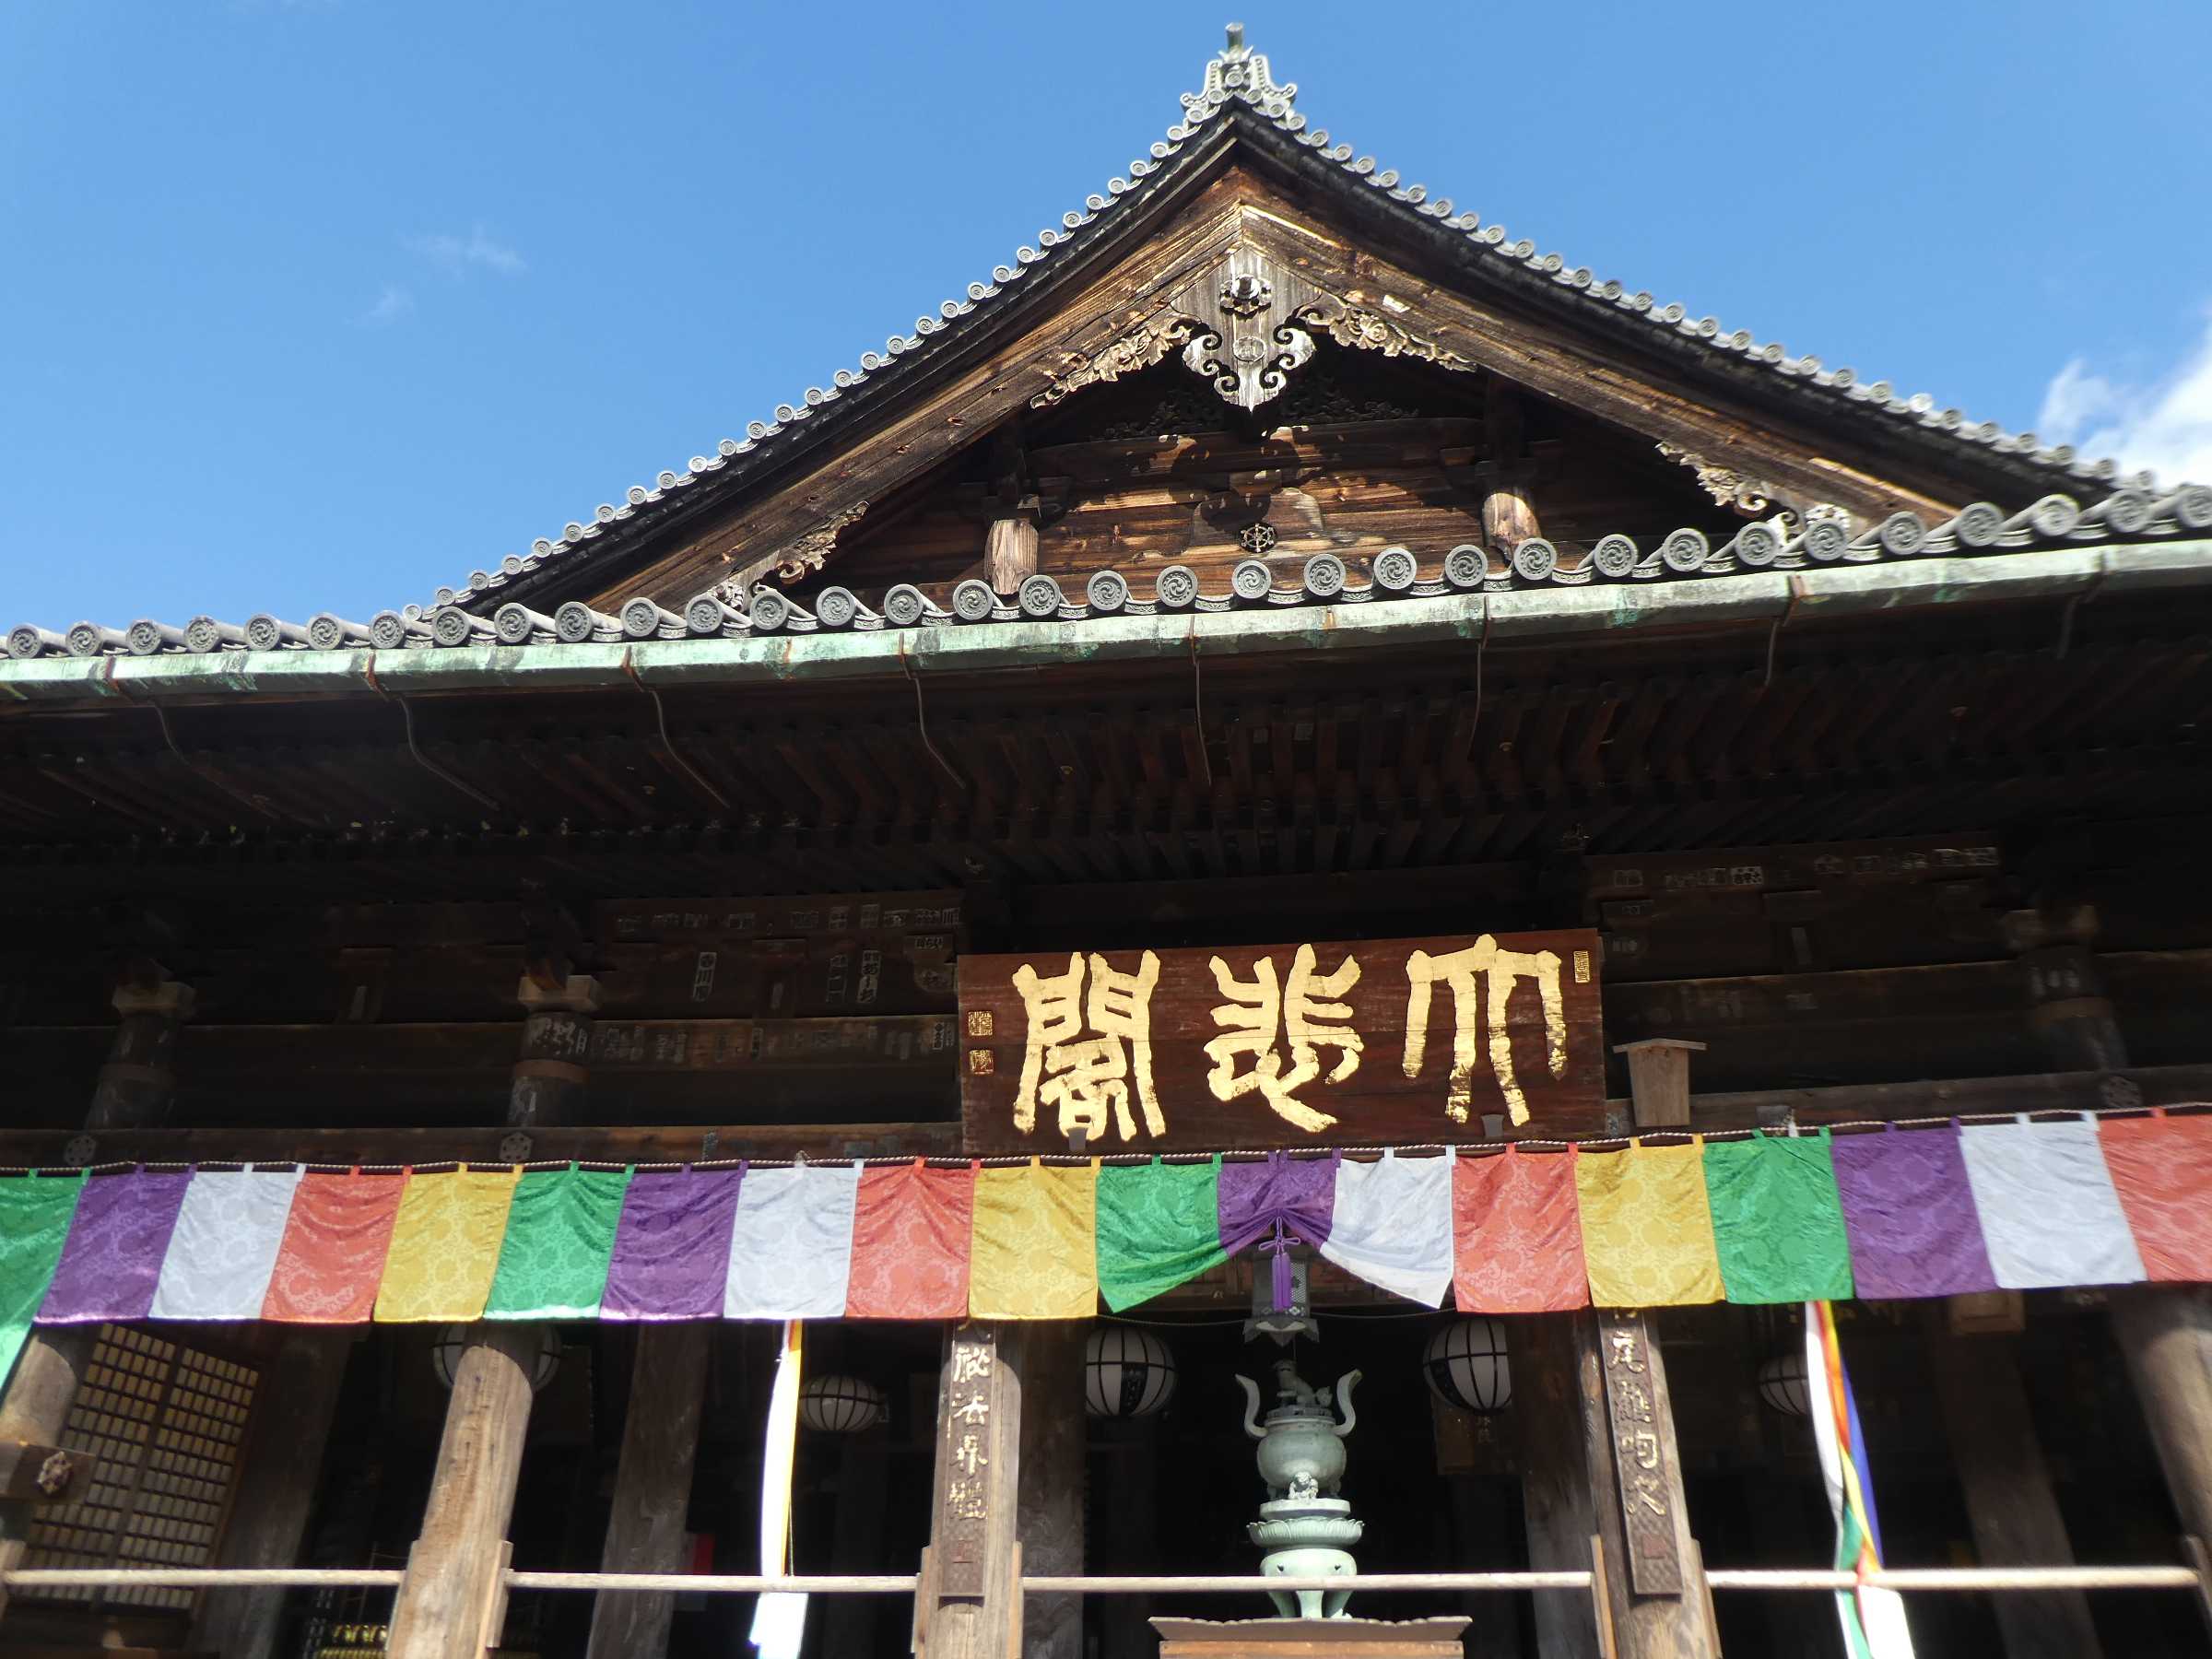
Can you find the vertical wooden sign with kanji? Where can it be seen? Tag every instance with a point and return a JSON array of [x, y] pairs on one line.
[[1642, 1441], [970, 1604]]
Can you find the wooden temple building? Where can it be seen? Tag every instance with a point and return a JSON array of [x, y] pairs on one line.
[[1274, 570]]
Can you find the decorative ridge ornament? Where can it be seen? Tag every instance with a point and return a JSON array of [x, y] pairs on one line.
[[1237, 71]]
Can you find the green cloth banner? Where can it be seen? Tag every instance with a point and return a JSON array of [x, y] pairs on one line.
[[560, 1237], [35, 1213], [1777, 1219], [1158, 1225]]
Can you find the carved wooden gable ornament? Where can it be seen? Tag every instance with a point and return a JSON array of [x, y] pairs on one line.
[[1245, 325], [1235, 245]]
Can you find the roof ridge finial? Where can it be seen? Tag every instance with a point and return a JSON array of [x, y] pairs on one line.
[[1240, 73]]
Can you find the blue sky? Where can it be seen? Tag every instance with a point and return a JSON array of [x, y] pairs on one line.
[[320, 303]]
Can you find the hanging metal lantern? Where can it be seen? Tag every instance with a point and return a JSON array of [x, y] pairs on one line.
[[1127, 1372], [1466, 1364], [835, 1405], [1783, 1385], [445, 1354]]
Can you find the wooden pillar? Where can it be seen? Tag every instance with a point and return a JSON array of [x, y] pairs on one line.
[[452, 1600], [2166, 1333], [35, 1411], [2009, 1498], [139, 1079], [1654, 1581], [1555, 1476], [1010, 553], [275, 1491], [1509, 517], [653, 1487], [134, 1091], [1130, 1536], [969, 1602], [1655, 1590], [1010, 543], [550, 1074], [1055, 1433], [2073, 1017], [850, 1622]]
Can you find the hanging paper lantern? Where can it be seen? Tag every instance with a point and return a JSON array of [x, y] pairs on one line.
[[1126, 1372], [445, 1354], [1466, 1364], [1782, 1383], [835, 1405]]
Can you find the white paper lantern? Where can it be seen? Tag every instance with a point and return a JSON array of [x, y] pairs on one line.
[[1127, 1372], [1466, 1364], [1782, 1383], [836, 1405], [445, 1354]]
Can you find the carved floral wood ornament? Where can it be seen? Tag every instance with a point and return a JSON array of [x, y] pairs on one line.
[[1245, 326]]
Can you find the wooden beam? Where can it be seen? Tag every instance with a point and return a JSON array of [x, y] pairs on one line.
[[652, 1486], [2009, 1503], [452, 1600], [612, 1144], [275, 1491]]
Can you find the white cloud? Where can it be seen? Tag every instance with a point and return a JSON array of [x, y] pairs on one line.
[[392, 303], [2164, 424], [457, 255]]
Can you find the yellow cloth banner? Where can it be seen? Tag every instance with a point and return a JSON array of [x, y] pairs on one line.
[[1647, 1232], [1034, 1251], [445, 1246]]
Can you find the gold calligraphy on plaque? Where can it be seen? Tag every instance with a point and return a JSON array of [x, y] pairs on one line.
[[1306, 1011], [1274, 1044], [1085, 1077], [1459, 971]]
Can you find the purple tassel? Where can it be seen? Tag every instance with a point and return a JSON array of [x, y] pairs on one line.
[[1282, 1270]]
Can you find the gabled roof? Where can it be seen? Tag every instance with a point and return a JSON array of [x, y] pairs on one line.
[[1240, 100]]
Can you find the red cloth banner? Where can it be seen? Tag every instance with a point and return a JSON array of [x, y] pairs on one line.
[[2161, 1167], [1517, 1234], [910, 1243], [332, 1260]]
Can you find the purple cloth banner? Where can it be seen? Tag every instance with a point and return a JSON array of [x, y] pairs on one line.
[[1279, 1199], [1909, 1211], [112, 1261], [672, 1245]]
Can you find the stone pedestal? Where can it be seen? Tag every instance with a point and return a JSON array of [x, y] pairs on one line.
[[1312, 1638]]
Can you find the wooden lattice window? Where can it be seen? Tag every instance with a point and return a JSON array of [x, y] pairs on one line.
[[163, 1424]]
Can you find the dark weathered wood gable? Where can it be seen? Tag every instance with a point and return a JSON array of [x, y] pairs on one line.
[[1433, 379]]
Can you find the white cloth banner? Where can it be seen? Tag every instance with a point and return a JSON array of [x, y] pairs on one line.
[[2049, 1212], [778, 1617], [1393, 1224], [224, 1249], [791, 1253]]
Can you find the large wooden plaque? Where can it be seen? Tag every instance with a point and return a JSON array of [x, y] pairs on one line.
[[1366, 1042]]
